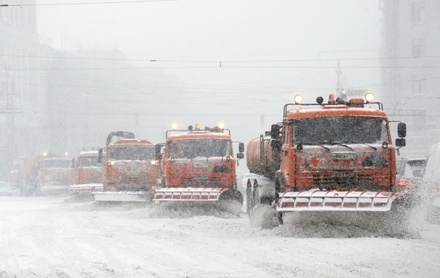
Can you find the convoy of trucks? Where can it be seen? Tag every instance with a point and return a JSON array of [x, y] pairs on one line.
[[335, 156]]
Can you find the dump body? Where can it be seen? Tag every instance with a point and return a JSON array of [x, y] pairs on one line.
[[328, 157], [198, 166], [88, 173], [131, 172]]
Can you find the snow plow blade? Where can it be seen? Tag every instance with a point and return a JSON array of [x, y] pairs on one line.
[[317, 200], [229, 200], [85, 188], [189, 194], [123, 196]]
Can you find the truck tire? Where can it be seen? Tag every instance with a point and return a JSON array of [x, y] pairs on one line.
[[249, 202], [252, 198]]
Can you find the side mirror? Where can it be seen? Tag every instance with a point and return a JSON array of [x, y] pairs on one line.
[[400, 142], [240, 155], [157, 153], [275, 131], [100, 154], [241, 147], [275, 144], [401, 129]]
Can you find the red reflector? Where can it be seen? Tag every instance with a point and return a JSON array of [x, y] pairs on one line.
[[333, 204], [287, 204]]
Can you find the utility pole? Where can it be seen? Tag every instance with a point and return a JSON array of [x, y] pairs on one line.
[[339, 90], [9, 110]]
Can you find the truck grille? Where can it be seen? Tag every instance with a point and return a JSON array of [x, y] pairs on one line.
[[344, 180], [201, 182]]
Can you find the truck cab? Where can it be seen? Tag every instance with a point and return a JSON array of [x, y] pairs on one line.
[[198, 165]]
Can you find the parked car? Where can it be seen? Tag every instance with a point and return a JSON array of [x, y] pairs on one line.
[[410, 171]]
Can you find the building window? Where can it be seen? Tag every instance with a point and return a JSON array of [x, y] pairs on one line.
[[417, 47], [417, 87], [417, 12]]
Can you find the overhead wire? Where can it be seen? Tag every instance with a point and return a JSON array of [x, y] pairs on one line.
[[241, 61], [85, 3]]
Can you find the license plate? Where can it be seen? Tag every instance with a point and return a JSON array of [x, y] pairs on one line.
[[344, 155]]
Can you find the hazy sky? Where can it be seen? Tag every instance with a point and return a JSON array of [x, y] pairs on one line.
[[235, 61], [288, 44]]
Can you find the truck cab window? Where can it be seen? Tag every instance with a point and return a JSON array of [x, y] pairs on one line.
[[333, 130]]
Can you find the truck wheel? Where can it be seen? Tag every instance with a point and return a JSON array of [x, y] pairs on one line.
[[280, 218], [254, 200], [249, 202]]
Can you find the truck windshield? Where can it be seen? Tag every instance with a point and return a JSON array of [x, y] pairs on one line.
[[87, 161], [54, 163], [200, 148], [343, 130], [131, 153]]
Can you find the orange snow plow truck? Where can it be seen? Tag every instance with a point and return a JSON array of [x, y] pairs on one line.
[[88, 173], [55, 174], [131, 172], [28, 174], [335, 156], [199, 167]]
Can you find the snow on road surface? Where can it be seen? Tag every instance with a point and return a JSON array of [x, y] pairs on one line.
[[54, 236]]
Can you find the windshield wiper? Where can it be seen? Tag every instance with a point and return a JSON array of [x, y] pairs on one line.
[[316, 144], [344, 145], [374, 148], [340, 144]]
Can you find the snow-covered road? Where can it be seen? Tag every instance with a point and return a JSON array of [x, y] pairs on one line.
[[60, 237]]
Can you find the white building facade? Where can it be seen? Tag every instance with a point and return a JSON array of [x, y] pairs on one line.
[[410, 63], [22, 84]]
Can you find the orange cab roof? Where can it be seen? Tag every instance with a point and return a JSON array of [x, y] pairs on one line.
[[199, 135], [131, 142], [333, 111]]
